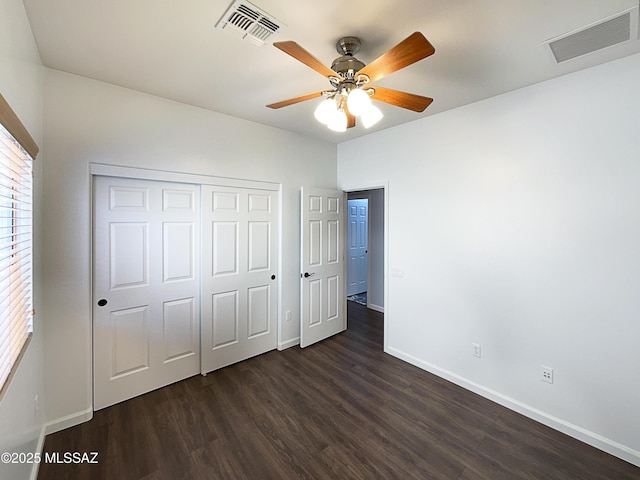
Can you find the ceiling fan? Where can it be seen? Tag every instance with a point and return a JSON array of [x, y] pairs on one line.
[[351, 81]]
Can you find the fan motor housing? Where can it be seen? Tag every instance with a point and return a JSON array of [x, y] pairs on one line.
[[347, 65]]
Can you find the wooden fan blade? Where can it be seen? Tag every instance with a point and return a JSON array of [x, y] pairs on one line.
[[300, 54], [413, 48], [409, 101], [291, 101]]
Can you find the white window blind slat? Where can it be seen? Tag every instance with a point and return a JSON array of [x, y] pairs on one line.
[[19, 300], [15, 299], [9, 256]]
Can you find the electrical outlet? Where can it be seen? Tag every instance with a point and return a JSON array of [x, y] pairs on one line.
[[288, 315], [547, 374], [476, 350]]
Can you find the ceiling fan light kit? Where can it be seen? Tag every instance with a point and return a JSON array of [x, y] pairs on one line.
[[332, 111], [371, 116], [324, 111], [351, 92], [358, 101], [338, 122]]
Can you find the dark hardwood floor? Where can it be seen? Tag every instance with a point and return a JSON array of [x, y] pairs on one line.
[[340, 409]]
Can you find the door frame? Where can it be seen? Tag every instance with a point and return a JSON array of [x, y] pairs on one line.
[[366, 195], [377, 185], [107, 170]]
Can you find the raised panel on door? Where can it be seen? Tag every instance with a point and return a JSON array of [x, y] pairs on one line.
[[334, 296], [146, 277], [259, 320], [334, 246], [129, 341], [178, 251], [224, 319], [128, 252], [178, 200], [181, 329], [314, 240], [323, 265], [314, 310], [239, 274], [128, 198], [225, 202], [224, 248], [259, 244]]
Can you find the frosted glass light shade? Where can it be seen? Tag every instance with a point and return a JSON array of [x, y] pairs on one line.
[[338, 122], [370, 116], [358, 101], [325, 111]]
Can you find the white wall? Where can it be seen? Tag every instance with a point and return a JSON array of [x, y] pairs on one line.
[[516, 224], [87, 121], [21, 85]]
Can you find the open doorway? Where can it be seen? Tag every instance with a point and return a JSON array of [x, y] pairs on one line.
[[357, 249], [365, 247]]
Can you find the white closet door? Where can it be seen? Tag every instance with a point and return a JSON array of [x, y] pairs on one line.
[[357, 245], [146, 286], [323, 303], [239, 266]]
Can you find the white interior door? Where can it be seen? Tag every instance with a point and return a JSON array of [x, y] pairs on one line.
[[323, 303], [239, 265], [146, 286], [357, 245]]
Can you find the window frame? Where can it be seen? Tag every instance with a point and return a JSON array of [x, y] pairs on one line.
[[25, 145]]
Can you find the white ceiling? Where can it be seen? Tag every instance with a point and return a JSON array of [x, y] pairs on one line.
[[171, 48]]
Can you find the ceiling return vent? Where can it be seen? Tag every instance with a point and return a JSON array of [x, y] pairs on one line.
[[615, 30], [249, 22]]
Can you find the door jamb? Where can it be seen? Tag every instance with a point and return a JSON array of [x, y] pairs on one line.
[[384, 185], [366, 195]]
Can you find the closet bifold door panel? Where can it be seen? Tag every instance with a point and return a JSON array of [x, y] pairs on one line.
[[239, 267], [146, 287]]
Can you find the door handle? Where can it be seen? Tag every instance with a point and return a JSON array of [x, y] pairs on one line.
[[307, 274], [102, 302]]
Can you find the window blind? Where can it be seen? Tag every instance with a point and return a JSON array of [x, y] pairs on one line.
[[16, 256]]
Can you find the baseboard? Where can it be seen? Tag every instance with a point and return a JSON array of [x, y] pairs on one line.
[[69, 421], [289, 343], [375, 307], [39, 448], [607, 445]]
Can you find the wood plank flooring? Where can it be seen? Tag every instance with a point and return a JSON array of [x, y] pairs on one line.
[[341, 409]]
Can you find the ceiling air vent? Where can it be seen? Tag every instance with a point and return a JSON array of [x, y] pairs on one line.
[[607, 33], [249, 22]]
